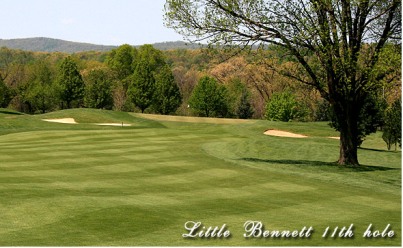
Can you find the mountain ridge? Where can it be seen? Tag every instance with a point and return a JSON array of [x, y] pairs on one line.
[[44, 44]]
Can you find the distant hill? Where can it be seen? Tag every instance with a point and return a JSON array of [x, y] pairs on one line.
[[51, 45], [171, 45], [42, 44]]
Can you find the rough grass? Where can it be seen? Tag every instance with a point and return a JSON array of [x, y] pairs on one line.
[[85, 185]]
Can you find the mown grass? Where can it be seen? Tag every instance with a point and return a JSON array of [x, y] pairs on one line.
[[88, 185]]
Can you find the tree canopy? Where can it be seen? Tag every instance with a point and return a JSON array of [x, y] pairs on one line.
[[141, 90], [71, 83], [209, 98], [345, 39], [167, 97]]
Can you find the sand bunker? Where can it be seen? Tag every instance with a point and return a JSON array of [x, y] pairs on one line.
[[72, 121], [62, 120], [338, 138], [279, 133], [114, 124]]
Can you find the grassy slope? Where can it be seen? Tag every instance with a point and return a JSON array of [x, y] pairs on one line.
[[88, 185]]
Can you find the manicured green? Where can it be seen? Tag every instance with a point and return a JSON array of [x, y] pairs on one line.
[[89, 185]]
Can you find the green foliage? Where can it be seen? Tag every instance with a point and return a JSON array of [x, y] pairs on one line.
[[3, 89], [155, 57], [209, 98], [239, 99], [167, 97], [40, 90], [98, 90], [121, 61], [323, 110], [244, 110], [284, 107], [370, 118], [71, 83], [392, 129], [141, 90]]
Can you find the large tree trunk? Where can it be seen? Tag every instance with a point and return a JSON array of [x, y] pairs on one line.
[[347, 116], [348, 148]]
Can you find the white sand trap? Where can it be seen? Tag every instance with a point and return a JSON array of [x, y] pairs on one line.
[[114, 124], [62, 120], [279, 133], [338, 138]]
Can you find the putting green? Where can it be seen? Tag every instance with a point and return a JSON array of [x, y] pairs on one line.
[[88, 185]]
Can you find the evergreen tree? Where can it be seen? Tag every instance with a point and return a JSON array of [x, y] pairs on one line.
[[245, 110], [167, 97], [141, 91], [239, 99], [71, 83]]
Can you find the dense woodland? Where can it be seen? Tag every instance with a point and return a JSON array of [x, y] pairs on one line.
[[200, 82]]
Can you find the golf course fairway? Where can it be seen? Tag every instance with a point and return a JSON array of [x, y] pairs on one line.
[[138, 185]]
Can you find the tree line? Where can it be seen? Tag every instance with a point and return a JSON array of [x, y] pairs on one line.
[[211, 83]]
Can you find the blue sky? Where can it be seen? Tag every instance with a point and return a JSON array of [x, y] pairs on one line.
[[106, 22]]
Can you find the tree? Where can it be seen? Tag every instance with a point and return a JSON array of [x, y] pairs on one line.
[[209, 98], [167, 97], [283, 107], [370, 117], [238, 96], [40, 90], [3, 89], [155, 57], [98, 90], [141, 90], [244, 109], [392, 130], [344, 38], [121, 61], [70, 81]]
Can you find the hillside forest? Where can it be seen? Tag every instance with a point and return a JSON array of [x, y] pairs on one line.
[[243, 83]]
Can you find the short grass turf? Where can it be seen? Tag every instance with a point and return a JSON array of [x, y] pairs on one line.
[[86, 185]]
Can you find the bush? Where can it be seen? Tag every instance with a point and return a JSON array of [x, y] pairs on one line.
[[284, 107]]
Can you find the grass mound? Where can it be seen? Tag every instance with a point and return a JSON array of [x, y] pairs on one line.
[[92, 116]]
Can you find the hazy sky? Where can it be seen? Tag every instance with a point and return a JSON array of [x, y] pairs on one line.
[[106, 22]]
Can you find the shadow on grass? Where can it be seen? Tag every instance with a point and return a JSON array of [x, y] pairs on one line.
[[7, 112], [361, 168], [376, 150]]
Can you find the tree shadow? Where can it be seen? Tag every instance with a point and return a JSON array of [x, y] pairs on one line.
[[7, 112], [322, 164], [375, 150]]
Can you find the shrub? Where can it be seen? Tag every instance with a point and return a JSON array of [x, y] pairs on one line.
[[284, 107]]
